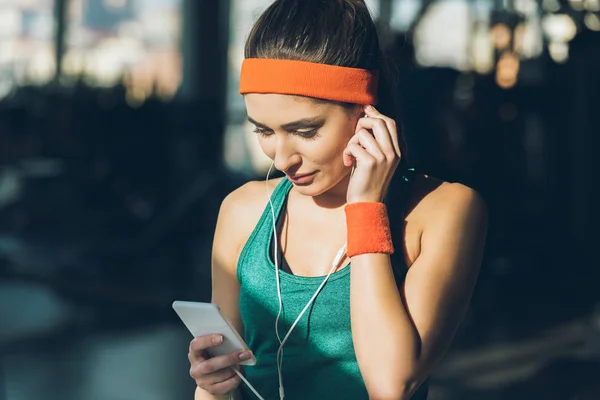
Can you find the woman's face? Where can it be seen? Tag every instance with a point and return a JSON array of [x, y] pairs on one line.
[[304, 138]]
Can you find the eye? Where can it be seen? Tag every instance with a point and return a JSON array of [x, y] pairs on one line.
[[311, 134], [262, 132]]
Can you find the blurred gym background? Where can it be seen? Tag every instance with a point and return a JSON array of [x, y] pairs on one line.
[[121, 130]]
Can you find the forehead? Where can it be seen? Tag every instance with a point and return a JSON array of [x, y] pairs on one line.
[[265, 107]]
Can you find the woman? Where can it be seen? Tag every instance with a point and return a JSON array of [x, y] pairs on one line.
[[311, 77]]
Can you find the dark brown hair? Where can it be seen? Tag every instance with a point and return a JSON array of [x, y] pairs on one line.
[[334, 32]]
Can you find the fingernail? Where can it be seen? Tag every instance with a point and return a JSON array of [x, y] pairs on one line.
[[370, 108], [245, 355], [218, 339]]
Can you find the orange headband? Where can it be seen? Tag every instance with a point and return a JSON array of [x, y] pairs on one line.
[[323, 81]]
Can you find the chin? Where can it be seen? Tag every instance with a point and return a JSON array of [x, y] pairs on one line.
[[312, 190], [318, 186]]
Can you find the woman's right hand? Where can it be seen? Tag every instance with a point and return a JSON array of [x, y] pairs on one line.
[[213, 374]]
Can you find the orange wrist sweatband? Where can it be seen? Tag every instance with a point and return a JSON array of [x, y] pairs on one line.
[[303, 78], [368, 229]]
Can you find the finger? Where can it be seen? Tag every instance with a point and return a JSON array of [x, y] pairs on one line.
[[198, 346], [224, 361], [369, 143], [205, 342], [347, 154], [361, 155], [225, 386], [219, 376], [365, 139], [373, 113], [381, 133], [204, 374], [197, 356]]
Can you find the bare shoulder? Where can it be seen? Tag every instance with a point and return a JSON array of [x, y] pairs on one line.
[[241, 210], [434, 201], [441, 214], [238, 214], [249, 198]]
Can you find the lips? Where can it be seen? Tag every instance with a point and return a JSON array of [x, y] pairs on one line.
[[300, 176], [302, 179]]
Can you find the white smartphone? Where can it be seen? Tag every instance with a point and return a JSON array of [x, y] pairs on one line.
[[206, 319]]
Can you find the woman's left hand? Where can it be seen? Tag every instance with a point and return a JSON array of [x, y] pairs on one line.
[[375, 149]]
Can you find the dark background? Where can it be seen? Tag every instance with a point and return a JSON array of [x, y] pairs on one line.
[[108, 199]]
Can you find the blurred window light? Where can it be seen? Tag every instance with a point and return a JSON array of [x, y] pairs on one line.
[[482, 49], [441, 38], [116, 3], [507, 70], [482, 9], [519, 33], [526, 7], [576, 5], [135, 42], [592, 22], [404, 13], [550, 5], [559, 51], [502, 36], [243, 14], [559, 27], [530, 37], [242, 152], [11, 21], [5, 87], [373, 6], [591, 5], [26, 43]]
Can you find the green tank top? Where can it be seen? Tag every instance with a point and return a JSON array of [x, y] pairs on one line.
[[318, 358]]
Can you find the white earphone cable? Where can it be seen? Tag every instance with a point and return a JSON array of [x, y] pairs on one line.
[[338, 258], [247, 383], [279, 358]]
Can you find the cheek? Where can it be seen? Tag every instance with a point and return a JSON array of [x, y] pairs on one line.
[[343, 137], [331, 151], [267, 147]]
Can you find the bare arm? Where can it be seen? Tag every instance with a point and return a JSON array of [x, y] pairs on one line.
[[225, 253], [400, 335], [230, 235]]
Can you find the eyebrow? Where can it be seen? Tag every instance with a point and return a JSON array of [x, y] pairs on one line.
[[290, 126]]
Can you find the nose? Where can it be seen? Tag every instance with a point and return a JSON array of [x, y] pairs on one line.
[[286, 155]]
